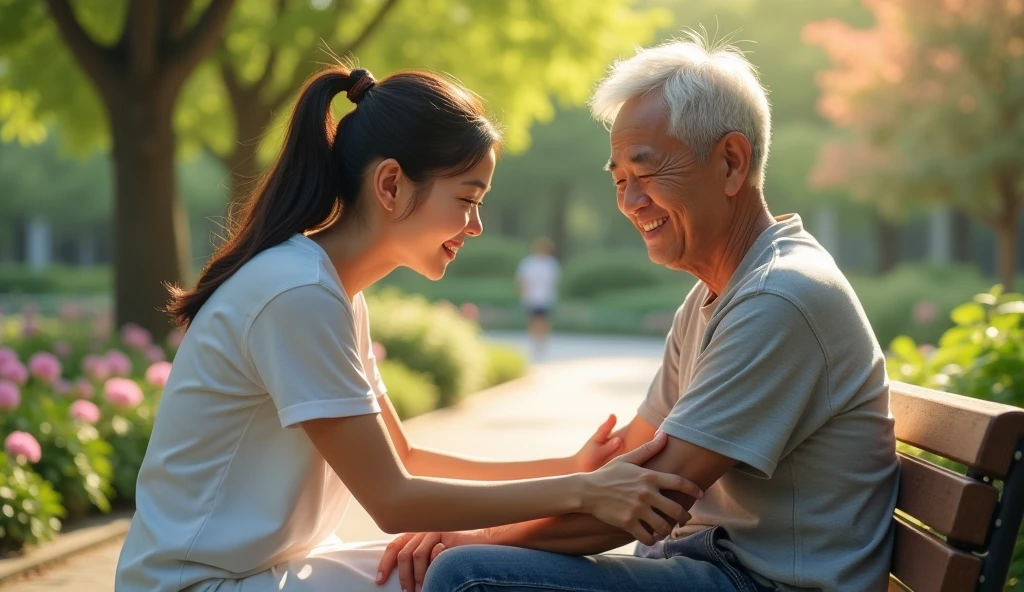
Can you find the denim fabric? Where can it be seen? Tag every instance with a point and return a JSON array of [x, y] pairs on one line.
[[692, 564]]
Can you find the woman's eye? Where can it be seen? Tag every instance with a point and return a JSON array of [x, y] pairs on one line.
[[472, 202]]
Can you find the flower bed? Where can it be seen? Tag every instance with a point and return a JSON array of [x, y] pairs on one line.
[[78, 400]]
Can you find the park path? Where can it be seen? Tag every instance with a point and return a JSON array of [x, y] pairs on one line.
[[551, 412]]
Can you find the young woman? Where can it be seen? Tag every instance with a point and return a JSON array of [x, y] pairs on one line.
[[275, 412]]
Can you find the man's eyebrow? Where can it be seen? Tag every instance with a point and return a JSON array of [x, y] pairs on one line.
[[642, 157]]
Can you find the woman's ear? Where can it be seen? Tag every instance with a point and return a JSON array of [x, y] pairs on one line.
[[387, 178]]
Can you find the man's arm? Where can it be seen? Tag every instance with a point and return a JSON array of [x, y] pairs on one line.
[[582, 535]]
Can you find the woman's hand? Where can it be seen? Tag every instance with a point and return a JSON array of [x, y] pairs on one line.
[[411, 553], [599, 449], [628, 496]]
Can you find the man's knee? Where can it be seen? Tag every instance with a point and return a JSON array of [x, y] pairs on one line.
[[455, 569]]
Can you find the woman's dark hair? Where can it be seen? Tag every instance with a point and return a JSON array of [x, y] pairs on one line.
[[429, 124]]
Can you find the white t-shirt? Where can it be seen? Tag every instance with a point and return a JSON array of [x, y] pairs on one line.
[[231, 485], [538, 275]]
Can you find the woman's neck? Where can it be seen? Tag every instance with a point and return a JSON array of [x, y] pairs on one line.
[[358, 255]]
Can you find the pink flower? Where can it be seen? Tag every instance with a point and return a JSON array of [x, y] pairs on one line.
[[379, 351], [10, 396], [15, 372], [84, 389], [925, 312], [62, 349], [158, 373], [119, 363], [96, 367], [470, 311], [86, 411], [45, 366], [136, 337], [155, 353], [23, 444], [175, 337], [8, 355], [122, 393]]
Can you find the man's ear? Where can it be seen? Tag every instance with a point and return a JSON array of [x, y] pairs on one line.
[[736, 152], [386, 178]]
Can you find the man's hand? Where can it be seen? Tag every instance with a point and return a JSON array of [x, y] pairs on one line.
[[599, 449], [411, 553]]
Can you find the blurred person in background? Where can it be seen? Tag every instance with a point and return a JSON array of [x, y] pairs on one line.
[[537, 281], [274, 415]]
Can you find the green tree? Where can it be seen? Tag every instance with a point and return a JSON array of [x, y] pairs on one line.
[[933, 95], [136, 57], [523, 55]]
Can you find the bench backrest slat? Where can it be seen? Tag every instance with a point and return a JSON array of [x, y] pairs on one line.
[[953, 504], [926, 564], [976, 433]]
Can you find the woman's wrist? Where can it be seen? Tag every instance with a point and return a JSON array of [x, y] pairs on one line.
[[578, 493]]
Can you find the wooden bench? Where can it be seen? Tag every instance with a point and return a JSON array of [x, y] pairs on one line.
[[971, 529]]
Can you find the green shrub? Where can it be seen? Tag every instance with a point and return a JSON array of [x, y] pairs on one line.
[[75, 459], [504, 363], [19, 279], [410, 392], [30, 509], [430, 339], [482, 291], [488, 256], [981, 356], [666, 297], [890, 300], [604, 271]]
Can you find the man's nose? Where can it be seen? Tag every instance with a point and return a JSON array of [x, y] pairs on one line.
[[634, 198]]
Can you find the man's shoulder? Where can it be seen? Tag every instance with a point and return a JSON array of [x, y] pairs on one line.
[[798, 270]]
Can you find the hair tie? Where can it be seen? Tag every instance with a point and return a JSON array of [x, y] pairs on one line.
[[363, 82]]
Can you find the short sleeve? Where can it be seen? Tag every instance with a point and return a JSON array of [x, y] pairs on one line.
[[304, 348], [762, 372], [664, 389], [369, 358]]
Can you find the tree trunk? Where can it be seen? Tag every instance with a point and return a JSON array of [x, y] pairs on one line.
[[1006, 254], [151, 237], [560, 222], [961, 235], [888, 235]]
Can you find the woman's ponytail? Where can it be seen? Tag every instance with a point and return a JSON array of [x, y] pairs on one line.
[[299, 192]]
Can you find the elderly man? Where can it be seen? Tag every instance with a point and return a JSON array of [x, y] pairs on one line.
[[773, 387]]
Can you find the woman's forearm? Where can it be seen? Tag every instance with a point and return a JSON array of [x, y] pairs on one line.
[[421, 504], [428, 463]]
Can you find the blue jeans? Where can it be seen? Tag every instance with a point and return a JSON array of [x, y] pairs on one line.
[[694, 564]]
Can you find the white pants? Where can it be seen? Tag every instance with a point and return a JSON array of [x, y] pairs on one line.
[[345, 567]]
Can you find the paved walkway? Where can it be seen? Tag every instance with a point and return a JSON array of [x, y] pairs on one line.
[[552, 412]]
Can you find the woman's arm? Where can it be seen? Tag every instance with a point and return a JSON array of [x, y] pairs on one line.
[[362, 454], [430, 463]]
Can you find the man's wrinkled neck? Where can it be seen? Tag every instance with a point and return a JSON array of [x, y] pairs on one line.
[[750, 219]]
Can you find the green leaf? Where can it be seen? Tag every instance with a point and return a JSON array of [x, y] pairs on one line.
[[968, 314], [905, 348]]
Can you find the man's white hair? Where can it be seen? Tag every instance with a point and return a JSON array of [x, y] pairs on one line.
[[710, 89]]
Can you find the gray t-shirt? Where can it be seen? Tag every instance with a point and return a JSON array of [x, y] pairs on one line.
[[783, 373]]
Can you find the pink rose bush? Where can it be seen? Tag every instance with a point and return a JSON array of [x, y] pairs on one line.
[[23, 445], [86, 411], [158, 373], [122, 393], [45, 366], [10, 396]]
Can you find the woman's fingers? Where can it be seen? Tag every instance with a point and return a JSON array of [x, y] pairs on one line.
[[406, 570], [638, 532], [647, 451], [671, 509], [389, 559], [674, 482], [659, 525], [421, 559]]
